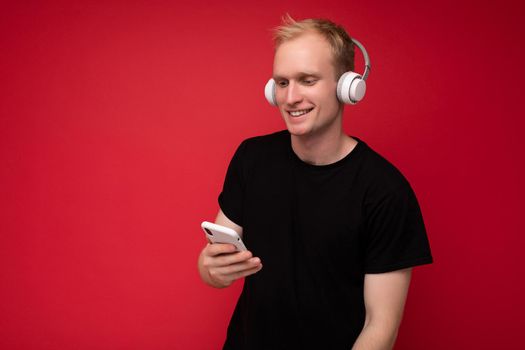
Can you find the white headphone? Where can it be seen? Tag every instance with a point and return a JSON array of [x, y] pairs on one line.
[[351, 86]]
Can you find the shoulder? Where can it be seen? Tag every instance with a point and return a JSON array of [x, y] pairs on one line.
[[273, 143], [262, 155], [385, 189], [382, 176]]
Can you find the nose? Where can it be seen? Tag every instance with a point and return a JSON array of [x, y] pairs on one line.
[[293, 94]]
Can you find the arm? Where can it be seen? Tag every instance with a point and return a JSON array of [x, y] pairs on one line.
[[220, 265], [385, 296]]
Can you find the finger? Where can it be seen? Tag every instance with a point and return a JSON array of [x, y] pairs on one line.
[[248, 272], [234, 258], [238, 267], [227, 259], [230, 278], [220, 248]]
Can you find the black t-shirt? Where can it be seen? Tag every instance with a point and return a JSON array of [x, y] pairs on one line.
[[318, 230]]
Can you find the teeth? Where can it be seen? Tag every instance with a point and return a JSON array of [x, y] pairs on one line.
[[298, 113]]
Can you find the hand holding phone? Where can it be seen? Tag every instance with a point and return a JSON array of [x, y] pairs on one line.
[[222, 264]]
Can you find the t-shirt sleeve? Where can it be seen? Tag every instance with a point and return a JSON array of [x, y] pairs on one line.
[[231, 197], [395, 232]]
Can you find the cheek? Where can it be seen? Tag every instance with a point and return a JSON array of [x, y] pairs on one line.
[[281, 110], [329, 100], [326, 93]]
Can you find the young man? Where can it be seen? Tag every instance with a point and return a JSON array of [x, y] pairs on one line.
[[336, 226]]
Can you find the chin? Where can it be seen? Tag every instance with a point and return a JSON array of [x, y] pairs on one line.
[[298, 130]]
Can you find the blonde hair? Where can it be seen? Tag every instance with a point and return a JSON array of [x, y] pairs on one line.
[[336, 36]]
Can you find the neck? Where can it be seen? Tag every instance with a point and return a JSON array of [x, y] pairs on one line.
[[323, 148]]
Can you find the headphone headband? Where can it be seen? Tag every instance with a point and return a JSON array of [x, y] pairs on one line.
[[368, 67]]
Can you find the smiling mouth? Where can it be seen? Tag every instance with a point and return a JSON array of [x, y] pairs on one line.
[[299, 112]]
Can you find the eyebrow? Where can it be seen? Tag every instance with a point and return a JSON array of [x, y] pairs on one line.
[[297, 75]]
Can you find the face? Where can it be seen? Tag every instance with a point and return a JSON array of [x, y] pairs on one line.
[[306, 85]]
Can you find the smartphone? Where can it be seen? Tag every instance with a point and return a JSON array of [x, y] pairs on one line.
[[222, 234]]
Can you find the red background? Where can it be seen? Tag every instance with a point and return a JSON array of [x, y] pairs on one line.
[[118, 120]]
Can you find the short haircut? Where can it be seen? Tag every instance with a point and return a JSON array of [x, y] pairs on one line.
[[336, 36]]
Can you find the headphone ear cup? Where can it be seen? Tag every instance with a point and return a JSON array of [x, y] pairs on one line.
[[269, 92], [351, 88]]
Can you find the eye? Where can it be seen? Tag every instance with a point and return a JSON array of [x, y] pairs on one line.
[[309, 81], [282, 83]]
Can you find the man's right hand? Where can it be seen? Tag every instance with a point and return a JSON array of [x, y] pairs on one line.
[[220, 264]]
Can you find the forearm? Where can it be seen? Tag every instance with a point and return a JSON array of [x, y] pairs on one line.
[[376, 337]]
